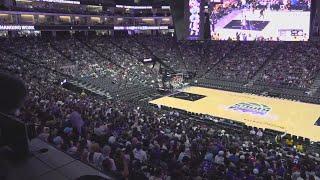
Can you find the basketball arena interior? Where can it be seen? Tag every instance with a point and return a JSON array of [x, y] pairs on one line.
[[159, 89]]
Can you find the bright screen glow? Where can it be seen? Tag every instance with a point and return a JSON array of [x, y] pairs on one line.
[[194, 19], [268, 20]]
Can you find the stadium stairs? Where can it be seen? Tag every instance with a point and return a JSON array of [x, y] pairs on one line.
[[53, 46], [125, 50], [27, 60], [92, 48], [156, 58], [78, 86], [206, 74], [87, 88], [137, 94], [260, 71], [203, 54], [181, 55], [137, 58], [104, 87], [315, 85]]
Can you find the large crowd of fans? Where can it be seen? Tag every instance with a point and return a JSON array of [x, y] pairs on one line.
[[129, 140], [294, 64], [86, 60], [121, 58], [244, 61]]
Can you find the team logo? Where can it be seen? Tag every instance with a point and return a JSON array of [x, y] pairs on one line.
[[252, 108]]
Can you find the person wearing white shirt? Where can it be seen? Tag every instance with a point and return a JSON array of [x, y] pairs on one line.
[[219, 159], [185, 153], [259, 133], [252, 132], [99, 131], [139, 153]]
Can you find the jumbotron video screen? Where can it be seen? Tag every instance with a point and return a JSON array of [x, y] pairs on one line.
[[268, 20]]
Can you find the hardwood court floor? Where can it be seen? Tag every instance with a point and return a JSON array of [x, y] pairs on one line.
[[293, 117]]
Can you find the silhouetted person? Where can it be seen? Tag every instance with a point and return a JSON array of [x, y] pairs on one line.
[[262, 13], [12, 93], [12, 133]]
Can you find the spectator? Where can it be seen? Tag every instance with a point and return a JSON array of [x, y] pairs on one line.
[[139, 153], [105, 161]]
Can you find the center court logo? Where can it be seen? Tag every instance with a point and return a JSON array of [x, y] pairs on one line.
[[252, 108]]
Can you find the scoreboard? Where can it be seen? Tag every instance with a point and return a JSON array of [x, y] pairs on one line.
[[292, 35]]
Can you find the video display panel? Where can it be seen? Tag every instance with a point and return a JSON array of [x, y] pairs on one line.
[[194, 19], [267, 20]]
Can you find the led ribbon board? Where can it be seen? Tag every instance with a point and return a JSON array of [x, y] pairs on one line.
[[16, 27], [141, 27]]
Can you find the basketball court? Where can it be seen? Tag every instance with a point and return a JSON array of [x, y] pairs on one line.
[[292, 117]]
